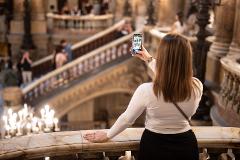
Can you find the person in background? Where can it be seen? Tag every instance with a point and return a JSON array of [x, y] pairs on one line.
[[65, 10], [75, 11], [125, 29], [26, 63], [191, 26], [67, 49], [179, 26], [169, 101], [60, 57]]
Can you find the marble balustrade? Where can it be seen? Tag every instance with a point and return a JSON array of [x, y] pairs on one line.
[[213, 142], [84, 22], [45, 64], [230, 88]]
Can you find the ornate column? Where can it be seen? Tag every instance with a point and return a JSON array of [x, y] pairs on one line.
[[39, 27], [38, 9], [167, 10], [235, 45], [16, 29], [223, 37], [18, 9]]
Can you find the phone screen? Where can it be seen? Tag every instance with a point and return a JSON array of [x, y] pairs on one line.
[[136, 43]]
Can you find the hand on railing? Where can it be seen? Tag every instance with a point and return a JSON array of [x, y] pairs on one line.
[[96, 137]]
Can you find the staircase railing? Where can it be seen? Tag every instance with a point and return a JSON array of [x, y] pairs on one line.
[[213, 143], [79, 23], [45, 64], [79, 67]]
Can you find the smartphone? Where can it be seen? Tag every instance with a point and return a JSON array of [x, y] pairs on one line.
[[137, 41]]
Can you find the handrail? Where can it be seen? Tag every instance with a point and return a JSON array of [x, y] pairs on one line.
[[227, 139], [96, 37], [89, 17], [98, 57]]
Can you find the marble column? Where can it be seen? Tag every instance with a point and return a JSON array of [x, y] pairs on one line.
[[235, 45], [119, 9], [39, 28], [222, 39], [167, 9], [139, 12], [16, 29], [38, 9], [18, 9]]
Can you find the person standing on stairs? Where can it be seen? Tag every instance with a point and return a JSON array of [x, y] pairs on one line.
[[68, 49], [26, 63]]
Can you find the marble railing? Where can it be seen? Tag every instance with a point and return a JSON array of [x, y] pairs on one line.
[[154, 35], [214, 143], [81, 23], [229, 96], [45, 64], [77, 68]]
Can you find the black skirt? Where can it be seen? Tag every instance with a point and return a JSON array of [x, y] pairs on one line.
[[155, 146]]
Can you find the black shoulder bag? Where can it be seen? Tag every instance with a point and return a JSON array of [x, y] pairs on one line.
[[181, 111]]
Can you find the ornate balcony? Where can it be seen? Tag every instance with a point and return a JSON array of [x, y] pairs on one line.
[[227, 109], [214, 143], [76, 27]]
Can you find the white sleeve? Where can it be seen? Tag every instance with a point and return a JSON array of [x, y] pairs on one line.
[[152, 65], [134, 110]]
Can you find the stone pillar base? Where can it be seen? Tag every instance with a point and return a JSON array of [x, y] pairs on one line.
[[214, 71], [233, 50], [13, 97]]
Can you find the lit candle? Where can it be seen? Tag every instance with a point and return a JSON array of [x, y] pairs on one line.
[[19, 132], [7, 129], [28, 128], [48, 124], [35, 129], [42, 113], [47, 109], [20, 114], [5, 120], [25, 111], [56, 128], [40, 126], [10, 111]]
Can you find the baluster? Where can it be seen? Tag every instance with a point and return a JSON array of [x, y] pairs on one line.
[[85, 66], [71, 23], [113, 54], [204, 155], [226, 89], [229, 89], [125, 48], [74, 72], [80, 68], [108, 56], [52, 82], [97, 61], [103, 58]]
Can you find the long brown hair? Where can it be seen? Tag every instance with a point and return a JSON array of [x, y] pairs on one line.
[[174, 69]]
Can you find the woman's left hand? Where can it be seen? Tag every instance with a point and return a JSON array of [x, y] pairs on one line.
[[96, 137]]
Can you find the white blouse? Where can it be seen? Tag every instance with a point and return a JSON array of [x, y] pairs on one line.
[[161, 117]]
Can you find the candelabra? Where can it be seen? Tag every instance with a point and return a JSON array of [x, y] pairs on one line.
[[25, 123], [200, 56]]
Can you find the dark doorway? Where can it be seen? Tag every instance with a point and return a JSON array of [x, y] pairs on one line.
[[60, 5]]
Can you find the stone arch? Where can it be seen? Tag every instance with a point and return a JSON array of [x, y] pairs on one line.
[[61, 113]]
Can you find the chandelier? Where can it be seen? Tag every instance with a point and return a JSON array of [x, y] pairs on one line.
[[25, 123]]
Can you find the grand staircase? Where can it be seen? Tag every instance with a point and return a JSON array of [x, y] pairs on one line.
[[96, 70], [81, 48]]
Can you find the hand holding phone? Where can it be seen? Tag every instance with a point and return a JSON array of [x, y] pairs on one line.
[[137, 42]]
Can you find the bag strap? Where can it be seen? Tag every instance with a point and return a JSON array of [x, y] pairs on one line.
[[181, 111]]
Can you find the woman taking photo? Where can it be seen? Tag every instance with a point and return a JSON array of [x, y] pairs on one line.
[[167, 133]]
